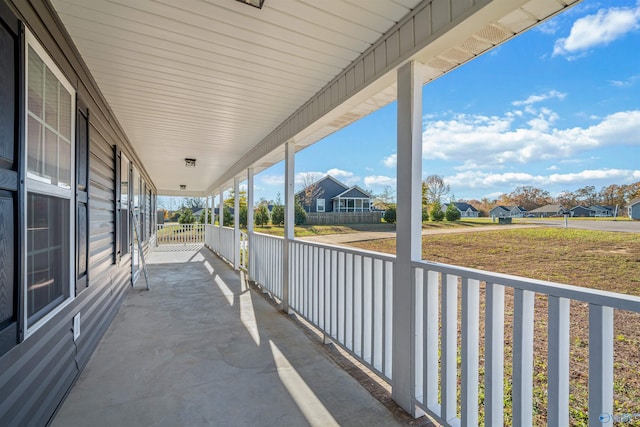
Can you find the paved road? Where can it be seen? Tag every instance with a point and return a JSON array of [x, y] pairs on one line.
[[620, 226], [375, 235]]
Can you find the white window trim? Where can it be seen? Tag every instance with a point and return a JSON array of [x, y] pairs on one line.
[[318, 205], [39, 187]]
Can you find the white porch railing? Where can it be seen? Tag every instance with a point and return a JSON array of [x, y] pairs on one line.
[[227, 245], [265, 262], [436, 345], [348, 295], [212, 237], [173, 234]]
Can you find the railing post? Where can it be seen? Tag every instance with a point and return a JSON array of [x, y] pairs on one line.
[[249, 244], [409, 237], [236, 223], [600, 363], [220, 219], [289, 219], [559, 338]]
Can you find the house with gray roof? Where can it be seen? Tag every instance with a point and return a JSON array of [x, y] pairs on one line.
[[330, 195], [507, 212], [633, 208], [465, 209], [548, 210]]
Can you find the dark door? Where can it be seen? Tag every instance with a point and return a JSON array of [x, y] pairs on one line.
[[10, 154]]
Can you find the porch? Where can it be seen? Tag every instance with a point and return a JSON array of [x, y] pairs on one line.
[[204, 348]]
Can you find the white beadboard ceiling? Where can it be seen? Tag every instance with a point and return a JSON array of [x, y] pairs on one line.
[[215, 79]]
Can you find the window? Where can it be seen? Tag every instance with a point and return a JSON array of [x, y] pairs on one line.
[[319, 205], [50, 196], [124, 205]]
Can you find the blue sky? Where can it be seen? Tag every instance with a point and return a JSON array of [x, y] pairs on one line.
[[557, 108]]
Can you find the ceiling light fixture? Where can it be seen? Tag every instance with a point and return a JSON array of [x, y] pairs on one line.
[[190, 163], [254, 3], [183, 186]]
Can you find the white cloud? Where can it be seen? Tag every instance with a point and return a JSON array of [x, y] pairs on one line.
[[496, 141], [539, 98], [480, 179], [625, 83], [379, 180], [390, 161], [598, 29], [553, 168], [273, 179]]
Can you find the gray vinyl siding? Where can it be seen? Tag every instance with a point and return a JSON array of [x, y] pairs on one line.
[[354, 192], [37, 373]]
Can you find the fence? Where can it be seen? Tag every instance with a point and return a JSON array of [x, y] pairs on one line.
[[265, 266], [344, 217], [173, 234]]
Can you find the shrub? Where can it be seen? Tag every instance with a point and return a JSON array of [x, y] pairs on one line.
[[277, 215], [436, 212], [300, 214], [186, 216], [261, 215], [227, 217], [390, 215], [243, 216], [452, 213]]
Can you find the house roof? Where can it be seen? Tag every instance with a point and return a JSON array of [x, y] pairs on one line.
[[582, 207], [329, 177], [547, 208], [462, 206], [504, 208], [634, 202], [600, 208], [354, 189]]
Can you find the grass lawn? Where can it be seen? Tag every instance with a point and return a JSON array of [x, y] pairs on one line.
[[319, 230], [601, 260]]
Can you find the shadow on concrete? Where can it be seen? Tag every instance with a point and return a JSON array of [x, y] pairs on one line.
[[203, 348]]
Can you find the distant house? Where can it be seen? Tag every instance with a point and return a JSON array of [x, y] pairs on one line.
[[581, 211], [508, 212], [547, 211], [465, 209], [634, 208], [331, 195], [599, 210]]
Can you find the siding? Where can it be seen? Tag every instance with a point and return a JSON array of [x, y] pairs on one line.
[[36, 375]]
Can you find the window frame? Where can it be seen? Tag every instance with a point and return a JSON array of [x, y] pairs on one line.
[[318, 204], [33, 185]]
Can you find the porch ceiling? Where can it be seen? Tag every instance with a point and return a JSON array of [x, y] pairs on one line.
[[213, 79]]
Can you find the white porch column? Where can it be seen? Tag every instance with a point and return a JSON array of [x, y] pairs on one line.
[[249, 214], [289, 218], [220, 208], [236, 223], [408, 228]]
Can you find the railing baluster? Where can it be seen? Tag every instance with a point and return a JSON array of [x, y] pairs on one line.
[[430, 343], [522, 381], [600, 363], [449, 342], [558, 384], [494, 356], [470, 351]]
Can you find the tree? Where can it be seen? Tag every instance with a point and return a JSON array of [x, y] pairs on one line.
[[385, 199], [434, 189], [186, 216], [261, 215], [277, 215], [436, 211], [587, 196], [310, 189], [193, 203], [243, 216], [205, 216], [300, 214], [165, 214], [227, 217], [390, 215], [452, 213], [528, 197]]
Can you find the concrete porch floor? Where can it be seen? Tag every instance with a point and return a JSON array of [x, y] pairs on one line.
[[202, 348]]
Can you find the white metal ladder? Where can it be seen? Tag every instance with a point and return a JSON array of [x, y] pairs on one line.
[[143, 265]]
